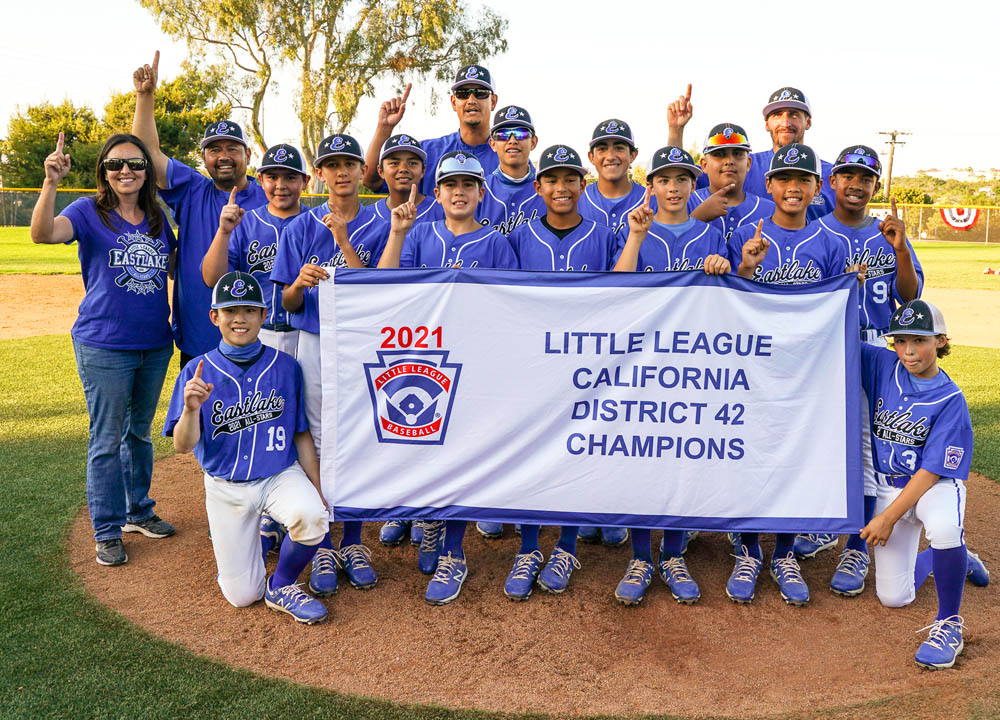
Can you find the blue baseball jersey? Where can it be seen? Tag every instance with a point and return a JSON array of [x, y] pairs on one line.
[[507, 204], [748, 212], [253, 246], [794, 257], [664, 251], [196, 205], [125, 278], [612, 211], [590, 246], [308, 240], [879, 296], [436, 147], [428, 210], [249, 421], [913, 429], [433, 245]]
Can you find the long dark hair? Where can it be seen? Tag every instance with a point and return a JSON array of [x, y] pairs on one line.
[[106, 198]]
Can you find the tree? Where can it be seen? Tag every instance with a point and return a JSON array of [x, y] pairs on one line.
[[339, 47], [31, 137], [185, 106], [904, 195]]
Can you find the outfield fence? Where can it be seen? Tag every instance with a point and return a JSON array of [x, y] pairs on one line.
[[16, 204], [923, 222]]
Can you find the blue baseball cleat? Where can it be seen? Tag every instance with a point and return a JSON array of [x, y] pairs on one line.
[[943, 645], [393, 532], [431, 545], [446, 585], [271, 534], [742, 584], [849, 577], [613, 536], [323, 575], [588, 534], [554, 577], [788, 575], [632, 587], [416, 532], [522, 576], [292, 600], [812, 544], [689, 535], [978, 574], [675, 574], [356, 562], [489, 530]]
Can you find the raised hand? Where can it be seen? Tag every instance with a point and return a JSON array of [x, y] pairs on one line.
[[717, 265], [57, 164], [232, 214], [196, 390], [335, 221], [144, 78], [641, 219], [716, 205], [405, 214], [755, 249], [679, 112], [392, 111], [893, 228]]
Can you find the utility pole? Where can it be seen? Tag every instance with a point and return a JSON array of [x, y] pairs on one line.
[[892, 142]]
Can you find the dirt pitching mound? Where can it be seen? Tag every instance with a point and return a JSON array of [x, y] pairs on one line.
[[578, 653]]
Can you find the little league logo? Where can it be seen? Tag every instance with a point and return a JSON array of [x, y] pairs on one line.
[[953, 457], [412, 392], [141, 261]]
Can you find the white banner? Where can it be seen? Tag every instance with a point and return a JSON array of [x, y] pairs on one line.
[[633, 399]]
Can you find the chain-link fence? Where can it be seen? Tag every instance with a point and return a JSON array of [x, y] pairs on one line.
[[16, 204]]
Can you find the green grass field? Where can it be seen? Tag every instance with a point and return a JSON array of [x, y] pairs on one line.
[[959, 265], [64, 655], [19, 255]]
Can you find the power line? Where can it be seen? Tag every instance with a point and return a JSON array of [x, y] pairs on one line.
[[892, 142]]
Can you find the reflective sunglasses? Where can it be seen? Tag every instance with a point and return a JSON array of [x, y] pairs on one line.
[[115, 164], [480, 93], [734, 138], [855, 159], [512, 133]]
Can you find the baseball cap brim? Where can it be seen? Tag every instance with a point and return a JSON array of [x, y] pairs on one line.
[[478, 83], [698, 172], [612, 137], [456, 173], [550, 168], [513, 123], [814, 173], [837, 168], [238, 303], [780, 104], [322, 158], [276, 166], [212, 138], [403, 148], [716, 148]]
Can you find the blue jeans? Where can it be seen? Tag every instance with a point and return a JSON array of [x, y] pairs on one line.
[[122, 388]]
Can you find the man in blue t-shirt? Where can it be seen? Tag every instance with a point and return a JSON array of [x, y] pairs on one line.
[[472, 98], [196, 202]]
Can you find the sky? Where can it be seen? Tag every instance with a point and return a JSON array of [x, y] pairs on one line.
[[910, 66]]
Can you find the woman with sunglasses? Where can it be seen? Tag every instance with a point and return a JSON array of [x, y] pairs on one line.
[[122, 336]]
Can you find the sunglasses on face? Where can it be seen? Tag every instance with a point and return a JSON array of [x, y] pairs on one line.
[[516, 133], [115, 164], [734, 138], [480, 93], [855, 159]]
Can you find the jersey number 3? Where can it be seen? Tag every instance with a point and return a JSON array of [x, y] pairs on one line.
[[275, 438]]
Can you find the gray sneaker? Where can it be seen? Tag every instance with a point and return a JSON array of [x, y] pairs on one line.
[[153, 527], [111, 552]]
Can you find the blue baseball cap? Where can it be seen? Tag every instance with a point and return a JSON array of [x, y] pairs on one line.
[[612, 129], [223, 130], [726, 136], [283, 156], [398, 143], [473, 75], [512, 116], [237, 289], [917, 317], [459, 163], [795, 156], [671, 156], [560, 156], [858, 156], [338, 144], [787, 97]]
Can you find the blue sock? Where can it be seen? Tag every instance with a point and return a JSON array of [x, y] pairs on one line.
[[783, 544], [922, 568], [752, 543], [642, 544], [454, 535], [949, 578], [529, 538], [854, 542], [567, 539], [326, 542], [673, 541], [352, 533], [292, 560]]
